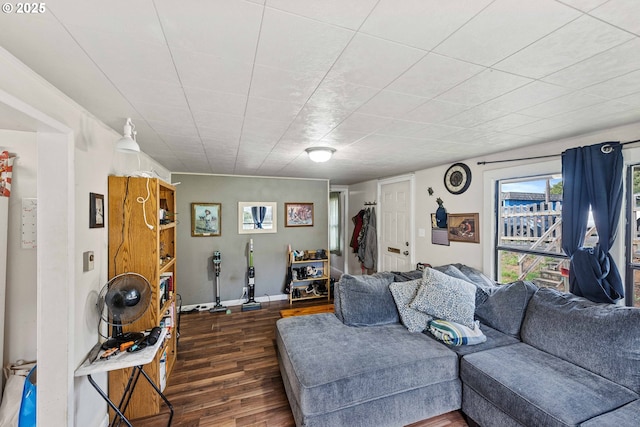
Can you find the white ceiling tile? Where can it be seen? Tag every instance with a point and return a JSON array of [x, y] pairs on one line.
[[420, 23], [584, 5], [219, 102], [120, 57], [271, 109], [531, 94], [116, 17], [391, 104], [224, 28], [374, 62], [474, 117], [594, 112], [604, 66], [402, 128], [284, 85], [536, 127], [299, 44], [153, 92], [504, 27], [340, 137], [209, 72], [469, 135], [169, 127], [621, 13], [576, 41], [340, 95], [435, 131], [483, 87], [632, 99], [507, 122], [358, 122], [223, 127], [563, 104], [435, 111], [349, 14], [433, 75], [617, 87]]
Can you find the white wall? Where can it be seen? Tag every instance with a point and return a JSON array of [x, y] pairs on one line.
[[74, 402]]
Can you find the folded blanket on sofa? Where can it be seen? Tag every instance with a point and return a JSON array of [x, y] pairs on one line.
[[452, 333]]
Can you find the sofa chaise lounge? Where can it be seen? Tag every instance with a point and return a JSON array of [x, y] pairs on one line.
[[549, 358]]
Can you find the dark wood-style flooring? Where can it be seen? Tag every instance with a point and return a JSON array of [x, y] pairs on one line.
[[227, 373]]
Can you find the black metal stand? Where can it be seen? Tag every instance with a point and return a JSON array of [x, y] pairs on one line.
[[126, 396]]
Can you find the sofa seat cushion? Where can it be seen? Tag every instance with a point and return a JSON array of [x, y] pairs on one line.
[[627, 416], [536, 388], [603, 338], [331, 366]]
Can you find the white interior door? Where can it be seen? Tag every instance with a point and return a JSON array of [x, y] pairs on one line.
[[396, 246]]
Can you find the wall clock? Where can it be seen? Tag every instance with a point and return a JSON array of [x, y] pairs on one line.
[[457, 178]]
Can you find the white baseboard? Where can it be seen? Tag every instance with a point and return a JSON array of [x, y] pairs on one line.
[[230, 303]]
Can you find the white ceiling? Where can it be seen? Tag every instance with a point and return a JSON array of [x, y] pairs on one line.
[[243, 87]]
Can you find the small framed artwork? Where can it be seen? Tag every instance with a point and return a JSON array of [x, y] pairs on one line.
[[96, 210], [464, 227], [206, 219], [298, 215], [257, 217], [434, 221]]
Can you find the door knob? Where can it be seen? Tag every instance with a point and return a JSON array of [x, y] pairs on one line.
[[405, 253]]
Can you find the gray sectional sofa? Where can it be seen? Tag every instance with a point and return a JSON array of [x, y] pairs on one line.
[[549, 359]]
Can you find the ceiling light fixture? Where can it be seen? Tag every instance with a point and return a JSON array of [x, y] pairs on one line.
[[320, 154], [128, 144]]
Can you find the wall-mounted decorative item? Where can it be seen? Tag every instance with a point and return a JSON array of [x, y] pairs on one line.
[[464, 227], [257, 217], [441, 214], [298, 214], [457, 178], [434, 221], [96, 210], [206, 219]]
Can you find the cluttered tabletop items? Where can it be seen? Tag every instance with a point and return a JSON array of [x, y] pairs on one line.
[[119, 355]]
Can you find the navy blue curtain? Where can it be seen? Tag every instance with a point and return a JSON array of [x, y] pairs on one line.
[[258, 213], [592, 176]]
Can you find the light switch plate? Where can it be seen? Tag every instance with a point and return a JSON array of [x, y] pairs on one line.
[[87, 261]]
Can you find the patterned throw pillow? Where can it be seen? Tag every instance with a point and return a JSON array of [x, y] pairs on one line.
[[446, 297], [452, 333], [403, 293]]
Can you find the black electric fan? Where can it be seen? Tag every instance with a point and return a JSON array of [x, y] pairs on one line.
[[123, 300]]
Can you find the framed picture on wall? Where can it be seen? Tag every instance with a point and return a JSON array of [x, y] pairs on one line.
[[464, 227], [206, 219], [257, 217], [96, 210], [298, 215]]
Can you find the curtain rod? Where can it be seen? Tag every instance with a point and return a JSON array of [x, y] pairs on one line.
[[539, 157]]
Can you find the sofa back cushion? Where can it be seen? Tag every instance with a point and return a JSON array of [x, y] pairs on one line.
[[366, 300], [602, 338], [504, 306]]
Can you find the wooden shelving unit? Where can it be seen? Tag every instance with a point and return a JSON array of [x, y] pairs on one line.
[[300, 283], [142, 242]]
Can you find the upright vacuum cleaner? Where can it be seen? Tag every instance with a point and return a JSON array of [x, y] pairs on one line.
[[251, 303], [216, 266]]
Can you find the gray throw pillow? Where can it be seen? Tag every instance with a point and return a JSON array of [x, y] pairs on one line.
[[366, 300], [403, 293], [446, 297], [480, 279], [505, 306]]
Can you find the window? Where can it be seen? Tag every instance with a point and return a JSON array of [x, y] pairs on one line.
[[335, 242], [632, 291], [529, 232]]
